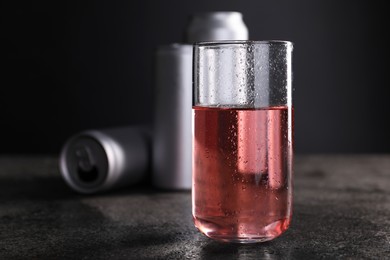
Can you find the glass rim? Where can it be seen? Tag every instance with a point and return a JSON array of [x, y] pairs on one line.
[[241, 42]]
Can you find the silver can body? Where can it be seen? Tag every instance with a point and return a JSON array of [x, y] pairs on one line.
[[100, 160], [172, 155], [216, 26]]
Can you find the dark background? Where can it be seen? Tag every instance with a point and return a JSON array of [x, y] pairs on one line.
[[68, 66]]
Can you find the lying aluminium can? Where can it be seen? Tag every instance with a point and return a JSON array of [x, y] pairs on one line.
[[216, 26], [104, 159]]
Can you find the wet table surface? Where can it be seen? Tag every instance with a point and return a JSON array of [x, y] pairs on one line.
[[341, 211]]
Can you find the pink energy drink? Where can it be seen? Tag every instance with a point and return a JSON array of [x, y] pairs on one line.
[[242, 170]]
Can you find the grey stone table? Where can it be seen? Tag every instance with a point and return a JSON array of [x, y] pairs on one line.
[[341, 211]]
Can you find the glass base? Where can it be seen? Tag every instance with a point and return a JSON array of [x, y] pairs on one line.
[[242, 235]]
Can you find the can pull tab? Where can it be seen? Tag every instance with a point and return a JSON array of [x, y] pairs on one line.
[[86, 169]]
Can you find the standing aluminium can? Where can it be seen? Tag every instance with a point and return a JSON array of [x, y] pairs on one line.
[[172, 136]]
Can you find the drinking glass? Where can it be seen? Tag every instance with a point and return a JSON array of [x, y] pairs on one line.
[[242, 139]]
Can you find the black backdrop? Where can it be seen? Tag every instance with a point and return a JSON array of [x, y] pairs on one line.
[[68, 66]]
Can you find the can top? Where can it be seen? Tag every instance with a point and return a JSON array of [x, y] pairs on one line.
[[217, 15], [84, 164], [216, 26]]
